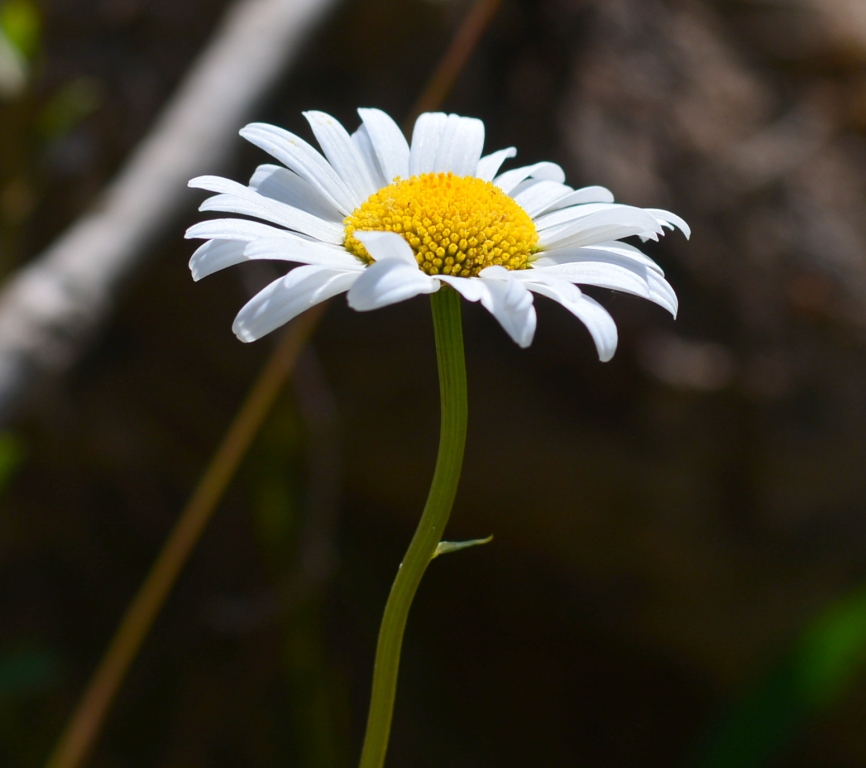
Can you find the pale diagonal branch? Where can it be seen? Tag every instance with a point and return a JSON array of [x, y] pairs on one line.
[[50, 308]]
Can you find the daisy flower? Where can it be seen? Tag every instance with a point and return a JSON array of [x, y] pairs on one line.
[[384, 220]]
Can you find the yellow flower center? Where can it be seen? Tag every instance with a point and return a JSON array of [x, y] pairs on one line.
[[456, 225]]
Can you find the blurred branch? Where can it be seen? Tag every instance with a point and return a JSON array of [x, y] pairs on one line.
[[89, 714], [50, 308], [462, 46]]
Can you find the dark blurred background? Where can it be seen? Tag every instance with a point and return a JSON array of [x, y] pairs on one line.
[[678, 570]]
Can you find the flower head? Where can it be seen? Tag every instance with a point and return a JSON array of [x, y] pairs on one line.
[[385, 221]]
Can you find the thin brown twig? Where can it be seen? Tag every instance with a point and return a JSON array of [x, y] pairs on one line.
[[454, 60], [89, 715]]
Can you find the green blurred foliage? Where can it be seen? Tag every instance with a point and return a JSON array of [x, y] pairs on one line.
[[11, 455], [823, 665], [27, 671], [277, 487], [832, 653], [21, 23], [69, 106]]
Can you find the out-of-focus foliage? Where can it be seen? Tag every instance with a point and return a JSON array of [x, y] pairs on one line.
[[21, 25], [19, 41], [769, 721], [282, 509], [26, 672], [68, 107], [11, 455]]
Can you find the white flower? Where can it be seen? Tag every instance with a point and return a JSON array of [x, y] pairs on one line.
[[385, 221]]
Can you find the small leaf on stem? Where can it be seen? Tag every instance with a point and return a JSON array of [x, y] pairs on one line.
[[445, 547]]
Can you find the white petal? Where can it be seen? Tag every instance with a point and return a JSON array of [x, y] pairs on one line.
[[565, 215], [293, 152], [388, 282], [215, 255], [471, 288], [342, 154], [671, 220], [489, 165], [460, 146], [387, 245], [287, 297], [548, 171], [509, 302], [364, 147], [284, 185], [630, 278], [388, 142], [586, 195], [613, 252], [524, 185], [540, 196], [237, 198], [303, 252], [562, 214], [425, 142], [598, 227], [278, 213], [217, 184], [594, 316], [234, 229]]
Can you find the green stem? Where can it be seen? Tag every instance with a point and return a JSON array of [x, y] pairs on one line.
[[452, 440]]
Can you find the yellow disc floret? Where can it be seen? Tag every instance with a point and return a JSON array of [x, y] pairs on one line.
[[456, 225]]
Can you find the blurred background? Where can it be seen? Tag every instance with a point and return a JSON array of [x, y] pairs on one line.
[[678, 574]]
